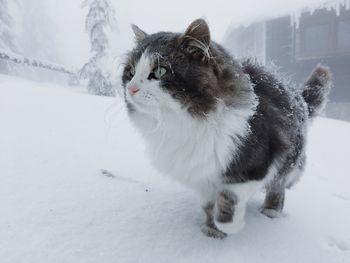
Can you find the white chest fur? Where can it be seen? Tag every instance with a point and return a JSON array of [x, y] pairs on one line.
[[194, 151]]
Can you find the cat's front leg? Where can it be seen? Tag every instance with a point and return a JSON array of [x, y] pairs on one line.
[[229, 213], [230, 206], [209, 228]]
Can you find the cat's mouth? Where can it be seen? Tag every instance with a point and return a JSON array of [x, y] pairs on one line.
[[143, 101]]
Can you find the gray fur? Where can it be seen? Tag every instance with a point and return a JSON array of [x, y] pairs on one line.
[[201, 73], [316, 90], [209, 228], [225, 207]]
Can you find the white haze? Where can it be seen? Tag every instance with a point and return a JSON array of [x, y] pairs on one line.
[[156, 15]]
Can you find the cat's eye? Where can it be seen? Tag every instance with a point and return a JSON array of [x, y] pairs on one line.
[[131, 72], [159, 72]]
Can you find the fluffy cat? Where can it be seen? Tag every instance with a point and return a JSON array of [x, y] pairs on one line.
[[225, 128]]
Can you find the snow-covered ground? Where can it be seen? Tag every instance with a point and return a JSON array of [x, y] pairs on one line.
[[56, 205]]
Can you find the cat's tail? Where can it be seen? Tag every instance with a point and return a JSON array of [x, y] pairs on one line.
[[316, 90]]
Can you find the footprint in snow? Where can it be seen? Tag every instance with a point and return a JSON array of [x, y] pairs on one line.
[[122, 178], [338, 243], [342, 197]]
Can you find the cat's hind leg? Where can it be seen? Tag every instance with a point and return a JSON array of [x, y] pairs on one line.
[[275, 194], [275, 189], [274, 202]]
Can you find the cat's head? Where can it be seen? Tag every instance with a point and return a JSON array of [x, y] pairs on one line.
[[177, 72]]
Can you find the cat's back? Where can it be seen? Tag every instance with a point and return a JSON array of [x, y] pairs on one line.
[[279, 102], [277, 128]]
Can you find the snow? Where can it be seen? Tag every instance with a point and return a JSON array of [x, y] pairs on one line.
[[9, 55], [57, 205]]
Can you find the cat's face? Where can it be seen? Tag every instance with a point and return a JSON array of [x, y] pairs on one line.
[[170, 71]]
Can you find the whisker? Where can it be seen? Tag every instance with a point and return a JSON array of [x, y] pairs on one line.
[[108, 114]]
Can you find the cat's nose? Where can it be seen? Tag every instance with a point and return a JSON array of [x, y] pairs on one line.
[[133, 89]]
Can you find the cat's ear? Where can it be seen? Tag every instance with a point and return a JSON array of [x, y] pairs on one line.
[[139, 34], [197, 37]]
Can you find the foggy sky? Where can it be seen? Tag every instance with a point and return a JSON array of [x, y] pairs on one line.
[[155, 15]]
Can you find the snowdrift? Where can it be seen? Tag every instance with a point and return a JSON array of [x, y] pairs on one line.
[[57, 206]]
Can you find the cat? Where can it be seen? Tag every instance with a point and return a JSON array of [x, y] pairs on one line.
[[224, 127]]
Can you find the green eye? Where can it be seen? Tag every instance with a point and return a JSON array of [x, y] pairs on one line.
[[159, 72], [132, 72]]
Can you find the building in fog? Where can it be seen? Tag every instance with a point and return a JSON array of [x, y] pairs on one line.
[[321, 36]]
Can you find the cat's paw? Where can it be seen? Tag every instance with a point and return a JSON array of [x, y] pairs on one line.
[[213, 232], [271, 213], [230, 227]]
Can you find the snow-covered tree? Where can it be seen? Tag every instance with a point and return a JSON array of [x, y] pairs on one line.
[[7, 38], [101, 15]]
